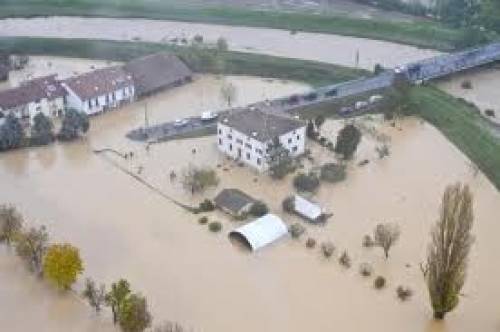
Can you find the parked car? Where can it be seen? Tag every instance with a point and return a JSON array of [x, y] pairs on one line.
[[345, 110], [360, 104], [208, 116], [181, 122], [375, 98], [310, 96], [294, 99], [331, 93]]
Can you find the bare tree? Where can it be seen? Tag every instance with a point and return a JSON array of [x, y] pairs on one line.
[[448, 252], [96, 296], [31, 246], [198, 179], [11, 222], [228, 93], [385, 236], [169, 327]]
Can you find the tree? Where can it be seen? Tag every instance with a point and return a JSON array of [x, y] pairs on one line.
[[319, 121], [311, 130], [11, 133], [42, 132], [62, 265], [490, 14], [96, 296], [74, 123], [258, 209], [134, 314], [228, 93], [198, 179], [333, 172], [168, 327], [116, 296], [288, 204], [279, 160], [31, 246], [385, 236], [11, 222], [306, 182], [347, 141], [222, 45], [448, 252]]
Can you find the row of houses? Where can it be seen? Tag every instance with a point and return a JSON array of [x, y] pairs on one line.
[[96, 91]]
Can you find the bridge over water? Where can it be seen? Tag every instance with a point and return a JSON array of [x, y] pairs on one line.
[[415, 73]]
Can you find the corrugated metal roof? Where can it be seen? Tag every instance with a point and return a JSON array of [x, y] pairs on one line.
[[262, 231], [306, 208]]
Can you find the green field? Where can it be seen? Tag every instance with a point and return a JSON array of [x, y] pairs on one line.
[[423, 33], [463, 126], [235, 63]]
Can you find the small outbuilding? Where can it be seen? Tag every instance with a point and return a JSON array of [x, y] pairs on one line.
[[260, 232], [234, 202], [307, 209], [156, 72]]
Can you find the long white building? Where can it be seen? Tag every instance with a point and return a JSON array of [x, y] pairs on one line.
[[247, 135], [99, 90]]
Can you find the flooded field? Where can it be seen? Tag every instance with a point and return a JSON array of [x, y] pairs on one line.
[[197, 278], [327, 48], [485, 84]]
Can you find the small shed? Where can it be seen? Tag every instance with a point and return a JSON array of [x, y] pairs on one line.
[[234, 201], [307, 209], [260, 232]]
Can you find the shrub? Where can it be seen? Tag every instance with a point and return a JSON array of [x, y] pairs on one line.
[[206, 206], [322, 141], [347, 141], [466, 84], [310, 243], [345, 260], [288, 204], [379, 282], [198, 179], [368, 241], [490, 113], [259, 209], [331, 172], [215, 226], [383, 151], [203, 220], [404, 293], [306, 182], [365, 270], [296, 230], [327, 248]]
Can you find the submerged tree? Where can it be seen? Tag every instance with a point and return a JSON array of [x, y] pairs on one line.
[[385, 236], [228, 93], [279, 160], [62, 265], [198, 179], [347, 141], [31, 246], [42, 132], [447, 258], [11, 222], [11, 133], [73, 125], [116, 296], [95, 296], [134, 314]]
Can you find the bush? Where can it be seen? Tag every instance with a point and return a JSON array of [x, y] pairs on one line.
[[327, 248], [347, 141], [203, 220], [404, 293], [345, 260], [288, 204], [306, 182], [215, 226], [206, 206], [259, 209], [331, 172], [198, 179], [368, 241], [467, 84], [310, 243], [296, 230], [365, 270], [383, 151], [73, 125], [379, 282]]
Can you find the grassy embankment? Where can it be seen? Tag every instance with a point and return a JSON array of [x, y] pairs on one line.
[[462, 125], [235, 63], [422, 33]]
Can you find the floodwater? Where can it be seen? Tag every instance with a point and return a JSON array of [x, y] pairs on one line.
[[198, 278], [484, 92], [309, 46]]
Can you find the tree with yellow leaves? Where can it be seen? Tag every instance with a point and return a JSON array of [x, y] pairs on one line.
[[62, 265]]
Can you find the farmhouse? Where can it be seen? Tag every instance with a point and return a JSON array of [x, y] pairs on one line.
[[99, 90], [234, 202], [41, 95], [247, 135], [156, 72]]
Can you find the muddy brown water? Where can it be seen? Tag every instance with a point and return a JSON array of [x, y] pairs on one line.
[[327, 48], [198, 278]]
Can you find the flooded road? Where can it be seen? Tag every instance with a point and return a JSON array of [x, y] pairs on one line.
[[197, 278], [303, 45]]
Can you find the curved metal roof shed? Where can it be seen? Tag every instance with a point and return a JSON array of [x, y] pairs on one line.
[[261, 232]]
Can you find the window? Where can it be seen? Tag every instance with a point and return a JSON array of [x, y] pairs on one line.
[[220, 141], [289, 141], [294, 149], [258, 161], [90, 103], [239, 141], [248, 156], [220, 131], [229, 136], [298, 138], [97, 101], [259, 151], [114, 96], [230, 147], [249, 146]]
